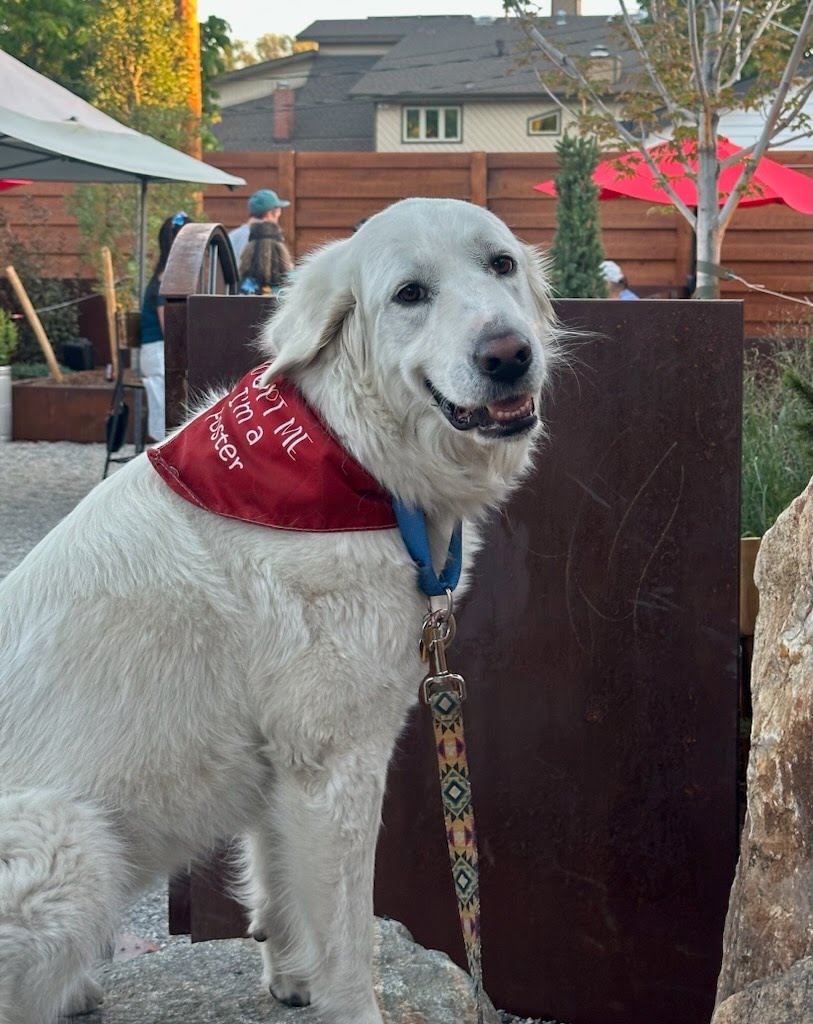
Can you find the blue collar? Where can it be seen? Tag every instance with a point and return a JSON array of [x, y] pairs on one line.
[[412, 524]]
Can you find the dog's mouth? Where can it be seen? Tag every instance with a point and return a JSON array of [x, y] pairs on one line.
[[510, 416]]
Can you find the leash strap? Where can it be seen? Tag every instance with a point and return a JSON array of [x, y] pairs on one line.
[[412, 524], [458, 814], [444, 692]]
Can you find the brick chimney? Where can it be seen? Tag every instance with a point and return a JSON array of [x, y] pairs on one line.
[[283, 112], [566, 8]]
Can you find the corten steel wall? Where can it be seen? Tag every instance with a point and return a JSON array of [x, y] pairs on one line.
[[330, 192], [600, 643]]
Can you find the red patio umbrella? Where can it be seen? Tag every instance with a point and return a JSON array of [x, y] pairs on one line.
[[772, 183], [11, 182]]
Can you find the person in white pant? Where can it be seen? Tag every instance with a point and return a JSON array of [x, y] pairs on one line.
[[152, 331]]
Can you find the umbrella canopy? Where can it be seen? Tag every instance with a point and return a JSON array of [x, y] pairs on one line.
[[772, 183], [48, 134], [12, 183]]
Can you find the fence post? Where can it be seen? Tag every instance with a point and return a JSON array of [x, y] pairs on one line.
[[286, 171], [478, 169]]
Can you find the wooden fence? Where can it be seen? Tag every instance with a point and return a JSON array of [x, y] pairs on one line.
[[330, 192]]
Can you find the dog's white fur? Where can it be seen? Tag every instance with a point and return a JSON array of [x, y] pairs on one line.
[[169, 677]]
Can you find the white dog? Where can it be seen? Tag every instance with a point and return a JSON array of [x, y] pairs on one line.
[[170, 676]]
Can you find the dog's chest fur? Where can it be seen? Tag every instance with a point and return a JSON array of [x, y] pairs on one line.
[[264, 649]]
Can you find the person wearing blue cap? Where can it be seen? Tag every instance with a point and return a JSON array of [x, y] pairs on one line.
[[264, 205]]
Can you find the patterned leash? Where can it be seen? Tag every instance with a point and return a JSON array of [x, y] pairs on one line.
[[444, 692]]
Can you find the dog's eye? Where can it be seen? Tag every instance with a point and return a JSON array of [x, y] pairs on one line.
[[503, 264], [411, 293]]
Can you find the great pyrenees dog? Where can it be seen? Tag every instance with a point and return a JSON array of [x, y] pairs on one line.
[[171, 675]]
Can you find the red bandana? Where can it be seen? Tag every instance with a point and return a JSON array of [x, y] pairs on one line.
[[262, 455]]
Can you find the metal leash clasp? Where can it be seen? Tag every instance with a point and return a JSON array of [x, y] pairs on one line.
[[437, 633]]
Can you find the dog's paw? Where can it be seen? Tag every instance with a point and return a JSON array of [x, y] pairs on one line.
[[86, 997], [289, 990]]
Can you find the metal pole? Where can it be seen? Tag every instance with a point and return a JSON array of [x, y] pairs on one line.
[[135, 353], [142, 238]]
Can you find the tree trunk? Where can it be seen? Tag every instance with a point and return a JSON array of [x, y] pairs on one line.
[[709, 233], [187, 13]]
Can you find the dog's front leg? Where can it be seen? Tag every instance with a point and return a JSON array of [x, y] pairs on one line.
[[315, 867]]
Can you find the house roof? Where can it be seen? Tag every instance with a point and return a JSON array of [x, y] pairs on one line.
[[373, 30], [325, 118], [453, 57], [263, 67], [466, 58]]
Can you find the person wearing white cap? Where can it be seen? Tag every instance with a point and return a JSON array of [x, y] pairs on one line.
[[616, 282]]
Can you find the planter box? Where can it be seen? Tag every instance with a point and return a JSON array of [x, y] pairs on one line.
[[749, 595], [43, 410]]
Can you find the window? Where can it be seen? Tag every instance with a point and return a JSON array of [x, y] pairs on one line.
[[431, 124], [545, 124]]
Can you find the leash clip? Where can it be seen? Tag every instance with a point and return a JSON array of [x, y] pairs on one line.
[[437, 633]]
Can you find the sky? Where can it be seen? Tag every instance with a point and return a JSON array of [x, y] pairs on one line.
[[249, 19]]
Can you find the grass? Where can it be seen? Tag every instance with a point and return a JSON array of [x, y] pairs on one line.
[[776, 462]]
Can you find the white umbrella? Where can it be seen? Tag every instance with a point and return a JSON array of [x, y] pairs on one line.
[[49, 134]]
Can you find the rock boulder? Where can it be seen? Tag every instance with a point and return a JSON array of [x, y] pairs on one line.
[[770, 917]]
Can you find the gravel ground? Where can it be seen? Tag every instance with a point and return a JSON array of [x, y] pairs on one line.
[[39, 484]]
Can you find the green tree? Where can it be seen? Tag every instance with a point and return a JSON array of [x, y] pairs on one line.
[[139, 74], [272, 46], [215, 49], [577, 251], [137, 69], [695, 58], [49, 36]]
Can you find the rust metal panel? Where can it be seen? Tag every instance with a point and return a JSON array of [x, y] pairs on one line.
[[43, 410], [223, 335], [600, 644], [210, 342]]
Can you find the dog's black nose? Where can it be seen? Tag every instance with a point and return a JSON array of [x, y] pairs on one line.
[[504, 358]]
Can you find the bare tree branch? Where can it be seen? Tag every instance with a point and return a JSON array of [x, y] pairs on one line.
[[556, 99], [772, 117], [788, 119], [569, 68], [730, 34], [748, 49], [694, 49], [635, 36]]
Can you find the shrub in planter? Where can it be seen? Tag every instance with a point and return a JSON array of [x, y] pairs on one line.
[[8, 338], [8, 343], [28, 371], [48, 295]]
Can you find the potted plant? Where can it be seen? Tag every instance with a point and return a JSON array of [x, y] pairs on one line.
[[8, 343]]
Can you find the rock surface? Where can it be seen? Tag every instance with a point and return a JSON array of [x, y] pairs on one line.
[[785, 998], [220, 982], [770, 917]]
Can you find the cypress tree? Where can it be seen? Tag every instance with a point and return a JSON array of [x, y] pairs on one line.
[[577, 249]]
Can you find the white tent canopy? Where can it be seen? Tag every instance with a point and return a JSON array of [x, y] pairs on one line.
[[48, 134]]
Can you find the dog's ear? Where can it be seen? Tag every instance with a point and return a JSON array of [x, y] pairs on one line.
[[311, 311], [538, 266]]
